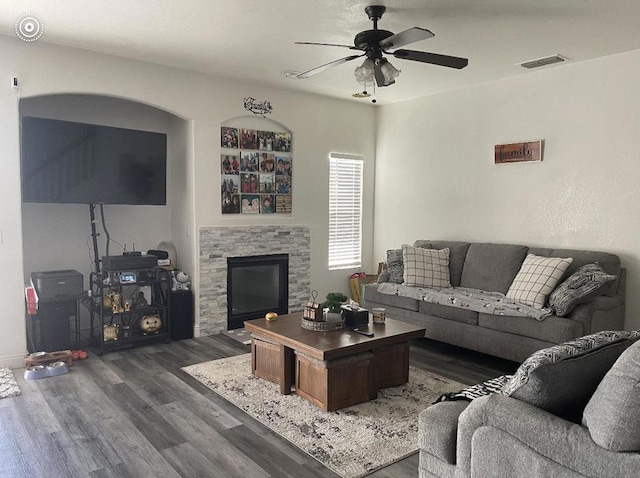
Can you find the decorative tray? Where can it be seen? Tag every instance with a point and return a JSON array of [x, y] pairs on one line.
[[322, 326]]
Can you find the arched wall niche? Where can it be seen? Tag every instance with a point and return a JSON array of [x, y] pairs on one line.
[[67, 100], [57, 236], [255, 122]]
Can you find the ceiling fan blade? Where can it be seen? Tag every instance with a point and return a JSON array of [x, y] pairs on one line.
[[326, 66], [433, 58], [411, 35], [351, 47]]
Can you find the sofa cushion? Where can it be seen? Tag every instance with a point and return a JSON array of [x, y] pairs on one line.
[[582, 286], [371, 295], [447, 312], [426, 267], [610, 263], [537, 277], [395, 266], [552, 329], [492, 267], [458, 253], [612, 413], [562, 379]]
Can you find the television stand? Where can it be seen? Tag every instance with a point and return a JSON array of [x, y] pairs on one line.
[[120, 317]]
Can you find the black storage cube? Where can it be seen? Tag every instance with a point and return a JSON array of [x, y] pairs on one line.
[[181, 311], [54, 317]]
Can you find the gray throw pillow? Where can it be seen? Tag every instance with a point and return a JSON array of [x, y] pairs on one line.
[[582, 286], [492, 267], [612, 413], [562, 379], [395, 266]]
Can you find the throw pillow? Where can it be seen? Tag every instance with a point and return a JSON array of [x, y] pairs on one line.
[[562, 379], [395, 266], [538, 276], [426, 267], [492, 267], [488, 387], [612, 413], [585, 284]]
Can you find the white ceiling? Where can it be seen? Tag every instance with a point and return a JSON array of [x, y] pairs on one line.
[[254, 39]]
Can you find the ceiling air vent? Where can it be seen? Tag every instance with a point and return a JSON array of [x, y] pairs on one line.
[[548, 60]]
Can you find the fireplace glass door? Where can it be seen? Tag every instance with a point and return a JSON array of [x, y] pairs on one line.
[[256, 285]]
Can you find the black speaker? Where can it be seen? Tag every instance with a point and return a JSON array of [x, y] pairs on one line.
[[181, 310]]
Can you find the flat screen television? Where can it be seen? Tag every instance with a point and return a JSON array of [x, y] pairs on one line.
[[69, 162]]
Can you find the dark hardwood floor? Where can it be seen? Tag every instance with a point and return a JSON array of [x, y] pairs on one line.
[[135, 413]]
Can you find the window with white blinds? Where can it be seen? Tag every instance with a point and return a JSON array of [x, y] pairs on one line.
[[345, 211]]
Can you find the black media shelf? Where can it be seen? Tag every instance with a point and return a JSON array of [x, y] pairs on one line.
[[128, 308]]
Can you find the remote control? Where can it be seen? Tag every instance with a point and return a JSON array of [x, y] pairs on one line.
[[363, 332]]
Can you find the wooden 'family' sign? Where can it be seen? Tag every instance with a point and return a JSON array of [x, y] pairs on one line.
[[518, 152]]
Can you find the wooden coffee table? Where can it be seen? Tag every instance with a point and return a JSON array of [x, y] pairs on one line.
[[333, 370]]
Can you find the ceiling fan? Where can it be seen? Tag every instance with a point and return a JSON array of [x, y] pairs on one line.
[[374, 43]]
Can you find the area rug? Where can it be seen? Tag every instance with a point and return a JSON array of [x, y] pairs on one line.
[[239, 335], [352, 442], [8, 385]]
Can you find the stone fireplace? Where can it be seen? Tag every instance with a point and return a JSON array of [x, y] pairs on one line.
[[218, 244]]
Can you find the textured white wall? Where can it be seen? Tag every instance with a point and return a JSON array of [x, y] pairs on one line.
[[319, 126], [435, 176]]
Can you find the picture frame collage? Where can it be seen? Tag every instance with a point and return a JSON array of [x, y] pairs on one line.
[[256, 171]]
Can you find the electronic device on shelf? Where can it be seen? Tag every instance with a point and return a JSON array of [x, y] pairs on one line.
[[57, 284], [130, 277], [127, 278], [129, 262]]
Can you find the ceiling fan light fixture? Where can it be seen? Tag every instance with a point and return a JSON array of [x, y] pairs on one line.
[[364, 73], [389, 72]]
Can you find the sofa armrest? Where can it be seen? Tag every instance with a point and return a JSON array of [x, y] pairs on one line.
[[438, 427], [609, 311], [603, 312], [558, 440], [603, 302]]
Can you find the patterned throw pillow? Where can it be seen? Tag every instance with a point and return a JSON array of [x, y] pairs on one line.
[[538, 276], [585, 284], [395, 266], [426, 267], [562, 379]]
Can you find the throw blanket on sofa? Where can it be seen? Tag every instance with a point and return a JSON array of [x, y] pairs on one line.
[[473, 299]]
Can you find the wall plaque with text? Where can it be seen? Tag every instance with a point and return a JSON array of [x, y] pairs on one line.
[[518, 152]]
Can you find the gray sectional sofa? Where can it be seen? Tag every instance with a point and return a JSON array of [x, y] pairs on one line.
[[569, 411], [493, 267]]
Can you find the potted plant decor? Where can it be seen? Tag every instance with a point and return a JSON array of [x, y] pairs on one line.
[[332, 304]]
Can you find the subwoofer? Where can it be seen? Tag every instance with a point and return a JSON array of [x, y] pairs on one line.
[[181, 318]]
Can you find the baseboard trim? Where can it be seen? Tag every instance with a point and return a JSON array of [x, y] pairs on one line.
[[12, 361]]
